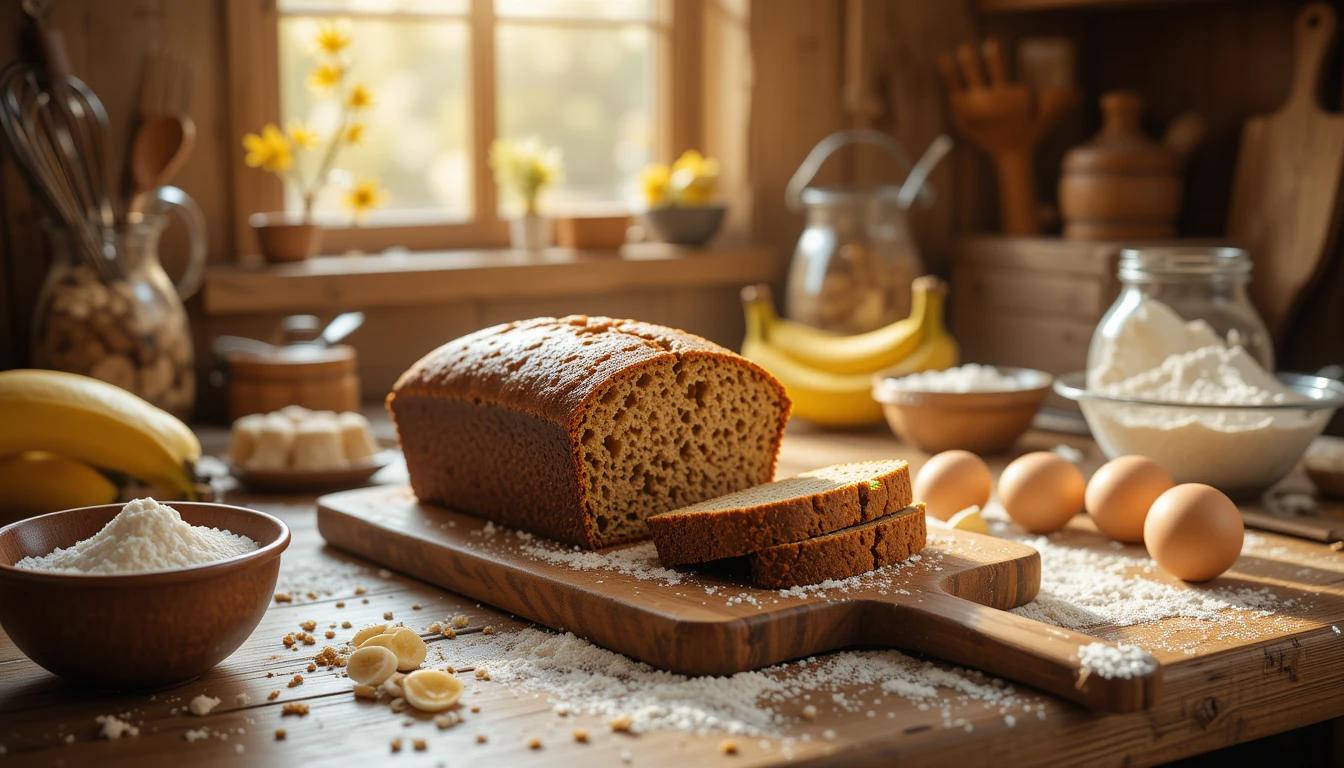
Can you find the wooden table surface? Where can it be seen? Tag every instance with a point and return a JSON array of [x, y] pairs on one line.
[[1274, 674]]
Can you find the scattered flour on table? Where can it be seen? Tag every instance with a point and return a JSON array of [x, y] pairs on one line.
[[639, 561], [1112, 661], [581, 677], [144, 536]]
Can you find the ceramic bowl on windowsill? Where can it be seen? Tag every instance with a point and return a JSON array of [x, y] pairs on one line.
[[285, 238], [691, 226]]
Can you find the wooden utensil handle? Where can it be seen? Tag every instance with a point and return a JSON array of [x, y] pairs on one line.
[[1005, 644], [1314, 29], [1017, 192]]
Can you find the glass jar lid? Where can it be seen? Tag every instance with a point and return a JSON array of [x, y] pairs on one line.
[[1183, 262]]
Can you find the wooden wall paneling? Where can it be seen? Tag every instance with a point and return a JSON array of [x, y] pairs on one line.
[[252, 59], [18, 244], [900, 42], [796, 100], [726, 87]]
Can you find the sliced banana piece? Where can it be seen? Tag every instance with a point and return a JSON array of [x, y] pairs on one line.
[[969, 519], [371, 665], [366, 633], [405, 643], [431, 690]]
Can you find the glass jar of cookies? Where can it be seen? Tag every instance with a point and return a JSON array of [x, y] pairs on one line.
[[123, 321]]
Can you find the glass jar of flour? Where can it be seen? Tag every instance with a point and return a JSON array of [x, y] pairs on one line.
[[1164, 291]]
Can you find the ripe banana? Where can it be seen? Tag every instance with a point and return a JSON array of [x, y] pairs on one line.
[[861, 353], [843, 398], [96, 423], [35, 483]]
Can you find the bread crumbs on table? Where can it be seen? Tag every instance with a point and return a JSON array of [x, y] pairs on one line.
[[581, 735], [297, 708], [475, 710], [534, 743], [363, 691], [480, 738], [296, 680], [415, 606], [622, 724], [329, 634], [280, 734], [273, 695], [340, 603], [346, 625], [420, 745], [448, 632], [460, 621], [482, 673], [809, 712], [387, 615], [728, 747], [308, 626], [283, 597], [364, 601], [359, 591], [488, 630], [395, 744], [288, 640], [311, 667]]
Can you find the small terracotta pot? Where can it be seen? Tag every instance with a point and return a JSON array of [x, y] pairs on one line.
[[282, 240]]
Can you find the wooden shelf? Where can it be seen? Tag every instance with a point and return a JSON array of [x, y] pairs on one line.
[[1030, 6], [402, 279]]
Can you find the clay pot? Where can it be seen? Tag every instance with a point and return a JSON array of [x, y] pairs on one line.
[[283, 240], [1122, 185]]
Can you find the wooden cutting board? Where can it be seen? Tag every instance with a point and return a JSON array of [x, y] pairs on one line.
[[951, 604], [1285, 197]]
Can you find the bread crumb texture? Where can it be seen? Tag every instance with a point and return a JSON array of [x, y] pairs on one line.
[[620, 419]]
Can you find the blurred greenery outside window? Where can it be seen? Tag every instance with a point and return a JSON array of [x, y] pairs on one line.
[[580, 75]]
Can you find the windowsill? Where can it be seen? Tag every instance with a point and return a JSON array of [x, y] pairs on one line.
[[408, 279]]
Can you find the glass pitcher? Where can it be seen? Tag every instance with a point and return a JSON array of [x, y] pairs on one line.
[[125, 324]]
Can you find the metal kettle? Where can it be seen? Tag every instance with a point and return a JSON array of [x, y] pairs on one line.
[[855, 260]]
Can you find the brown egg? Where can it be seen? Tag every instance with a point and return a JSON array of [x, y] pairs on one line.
[[1194, 532], [1120, 493], [1041, 491], [951, 482]]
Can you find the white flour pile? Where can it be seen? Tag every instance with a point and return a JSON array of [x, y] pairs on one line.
[[144, 536], [1155, 355], [965, 378], [1112, 661]]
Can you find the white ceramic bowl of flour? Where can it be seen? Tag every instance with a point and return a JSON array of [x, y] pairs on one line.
[[1239, 449]]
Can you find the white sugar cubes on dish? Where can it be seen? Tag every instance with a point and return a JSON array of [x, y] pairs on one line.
[[295, 438]]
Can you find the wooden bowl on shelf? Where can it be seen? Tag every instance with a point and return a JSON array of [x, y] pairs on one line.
[[136, 630]]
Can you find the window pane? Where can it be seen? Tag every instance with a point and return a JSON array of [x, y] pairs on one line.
[[576, 9], [436, 7], [417, 142], [587, 91]]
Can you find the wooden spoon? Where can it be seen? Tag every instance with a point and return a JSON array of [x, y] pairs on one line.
[[162, 145]]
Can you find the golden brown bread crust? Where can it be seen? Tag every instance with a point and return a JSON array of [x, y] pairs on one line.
[[490, 422], [682, 538], [841, 554]]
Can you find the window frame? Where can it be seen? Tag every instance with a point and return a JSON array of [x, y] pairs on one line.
[[253, 41]]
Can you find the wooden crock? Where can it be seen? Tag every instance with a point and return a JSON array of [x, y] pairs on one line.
[[321, 378], [1121, 185]]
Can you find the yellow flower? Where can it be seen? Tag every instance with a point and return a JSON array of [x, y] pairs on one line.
[[269, 151], [354, 133], [364, 196], [654, 183], [525, 168], [301, 135], [694, 179], [326, 76], [360, 98], [690, 160], [332, 38]]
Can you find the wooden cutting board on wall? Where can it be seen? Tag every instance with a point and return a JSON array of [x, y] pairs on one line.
[[950, 604], [1286, 193]]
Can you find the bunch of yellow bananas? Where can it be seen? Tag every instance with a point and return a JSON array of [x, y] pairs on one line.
[[61, 434], [829, 377]]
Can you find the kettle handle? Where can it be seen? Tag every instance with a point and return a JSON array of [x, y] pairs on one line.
[[793, 193], [173, 199]]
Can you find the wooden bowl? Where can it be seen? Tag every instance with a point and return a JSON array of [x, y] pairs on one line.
[[140, 630], [980, 422]]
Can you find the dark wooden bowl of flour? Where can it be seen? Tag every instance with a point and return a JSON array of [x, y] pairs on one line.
[[136, 630]]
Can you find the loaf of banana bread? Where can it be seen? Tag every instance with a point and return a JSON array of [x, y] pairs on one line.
[[577, 428]]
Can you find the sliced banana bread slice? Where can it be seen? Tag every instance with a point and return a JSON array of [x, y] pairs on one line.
[[811, 504], [841, 554]]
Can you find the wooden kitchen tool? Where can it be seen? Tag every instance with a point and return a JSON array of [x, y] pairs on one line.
[[1285, 198], [950, 604], [1006, 120]]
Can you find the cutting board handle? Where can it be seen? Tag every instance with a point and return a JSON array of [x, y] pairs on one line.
[[1313, 32], [1005, 644]]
